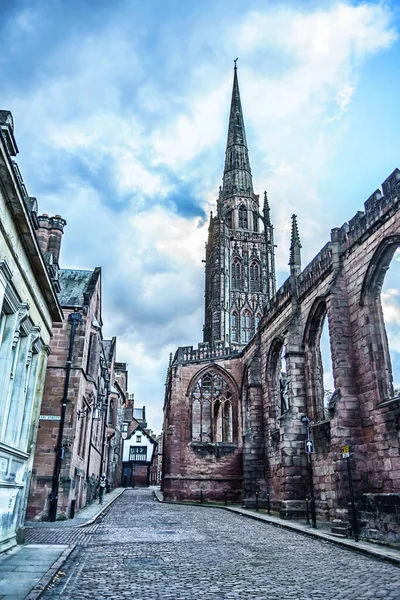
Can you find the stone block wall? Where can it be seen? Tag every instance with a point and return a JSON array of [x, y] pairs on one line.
[[379, 517], [82, 436], [212, 469], [341, 284]]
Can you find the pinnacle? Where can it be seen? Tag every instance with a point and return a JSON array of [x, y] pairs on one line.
[[294, 240]]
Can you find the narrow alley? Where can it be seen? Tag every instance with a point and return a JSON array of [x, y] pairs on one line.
[[150, 551]]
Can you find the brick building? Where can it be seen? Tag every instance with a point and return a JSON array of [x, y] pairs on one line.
[[29, 306], [234, 406], [81, 415], [117, 403]]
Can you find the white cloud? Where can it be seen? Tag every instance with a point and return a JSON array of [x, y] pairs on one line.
[[298, 73]]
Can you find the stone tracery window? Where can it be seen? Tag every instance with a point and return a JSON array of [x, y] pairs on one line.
[[245, 327], [236, 274], [243, 217], [255, 285], [211, 400], [234, 327]]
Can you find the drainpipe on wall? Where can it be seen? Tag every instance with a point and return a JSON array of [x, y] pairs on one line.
[[74, 319], [89, 453], [103, 440]]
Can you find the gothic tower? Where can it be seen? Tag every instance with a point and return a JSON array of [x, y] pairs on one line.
[[240, 268]]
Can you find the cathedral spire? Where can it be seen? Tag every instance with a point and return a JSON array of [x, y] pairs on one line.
[[237, 172], [295, 248]]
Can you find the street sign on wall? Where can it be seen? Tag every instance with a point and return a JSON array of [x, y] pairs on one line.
[[309, 446], [49, 418]]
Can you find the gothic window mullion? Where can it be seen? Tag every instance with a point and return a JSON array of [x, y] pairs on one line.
[[209, 420]]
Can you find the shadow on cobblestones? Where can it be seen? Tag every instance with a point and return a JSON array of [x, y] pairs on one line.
[[149, 551]]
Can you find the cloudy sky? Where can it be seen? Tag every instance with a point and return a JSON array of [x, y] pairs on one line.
[[121, 111]]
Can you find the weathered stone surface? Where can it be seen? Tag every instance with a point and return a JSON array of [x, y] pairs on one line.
[[342, 285]]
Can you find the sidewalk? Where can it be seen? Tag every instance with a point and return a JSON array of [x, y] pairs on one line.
[[375, 550], [25, 571], [84, 517]]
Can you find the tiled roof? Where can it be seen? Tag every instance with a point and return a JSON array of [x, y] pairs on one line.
[[74, 285]]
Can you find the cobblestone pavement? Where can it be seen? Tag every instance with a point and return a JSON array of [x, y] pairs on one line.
[[153, 551], [57, 535]]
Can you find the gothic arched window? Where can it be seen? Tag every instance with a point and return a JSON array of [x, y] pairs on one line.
[[236, 274], [318, 365], [234, 327], [255, 282], [211, 400], [243, 222], [246, 331]]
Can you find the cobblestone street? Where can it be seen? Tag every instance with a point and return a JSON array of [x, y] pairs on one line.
[[153, 551]]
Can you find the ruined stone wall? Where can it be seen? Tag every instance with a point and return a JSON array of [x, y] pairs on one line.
[[195, 470], [342, 284]]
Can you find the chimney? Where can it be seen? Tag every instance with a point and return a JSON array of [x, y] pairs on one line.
[[56, 231], [43, 232]]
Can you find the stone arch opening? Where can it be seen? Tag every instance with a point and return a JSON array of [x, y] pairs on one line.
[[380, 297], [320, 391], [211, 397], [245, 401], [277, 381]]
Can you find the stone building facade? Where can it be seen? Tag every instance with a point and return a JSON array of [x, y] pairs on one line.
[[233, 415], [29, 306], [116, 410], [73, 450]]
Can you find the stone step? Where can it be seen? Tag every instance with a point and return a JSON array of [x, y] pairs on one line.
[[338, 535], [340, 528]]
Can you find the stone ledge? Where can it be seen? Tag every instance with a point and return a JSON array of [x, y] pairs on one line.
[[217, 449]]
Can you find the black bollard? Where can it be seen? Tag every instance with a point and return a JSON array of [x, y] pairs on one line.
[[257, 493], [268, 504]]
